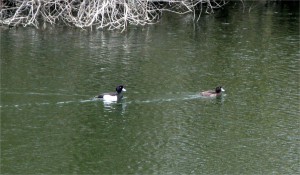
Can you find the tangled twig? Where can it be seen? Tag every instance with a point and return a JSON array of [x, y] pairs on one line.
[[111, 14]]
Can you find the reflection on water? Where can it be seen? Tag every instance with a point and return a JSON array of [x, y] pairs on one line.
[[50, 122]]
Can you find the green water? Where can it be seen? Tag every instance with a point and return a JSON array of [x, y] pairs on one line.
[[50, 123]]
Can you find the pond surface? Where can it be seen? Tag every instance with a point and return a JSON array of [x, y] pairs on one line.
[[51, 124]]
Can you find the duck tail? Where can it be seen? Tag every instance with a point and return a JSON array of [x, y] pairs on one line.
[[98, 96]]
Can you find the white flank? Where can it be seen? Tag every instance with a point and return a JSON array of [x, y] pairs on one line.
[[110, 98]]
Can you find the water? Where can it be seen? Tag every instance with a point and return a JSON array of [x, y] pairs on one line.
[[51, 124]]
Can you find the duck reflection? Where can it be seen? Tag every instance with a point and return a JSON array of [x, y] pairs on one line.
[[119, 106]]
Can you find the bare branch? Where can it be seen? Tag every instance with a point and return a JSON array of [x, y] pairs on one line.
[[111, 14]]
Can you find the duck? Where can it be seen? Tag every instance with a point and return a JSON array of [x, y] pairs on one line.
[[112, 96], [213, 93]]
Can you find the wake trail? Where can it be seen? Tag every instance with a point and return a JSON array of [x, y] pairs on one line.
[[91, 100]]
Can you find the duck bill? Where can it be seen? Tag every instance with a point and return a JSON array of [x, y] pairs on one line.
[[124, 89], [223, 90]]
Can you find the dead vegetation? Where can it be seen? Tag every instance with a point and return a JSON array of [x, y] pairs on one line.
[[111, 14]]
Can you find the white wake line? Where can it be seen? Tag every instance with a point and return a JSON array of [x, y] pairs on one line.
[[189, 97], [45, 103], [45, 94]]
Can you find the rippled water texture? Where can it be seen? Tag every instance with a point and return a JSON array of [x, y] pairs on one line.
[[50, 122]]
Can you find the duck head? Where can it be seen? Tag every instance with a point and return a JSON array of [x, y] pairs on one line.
[[219, 89], [120, 88]]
